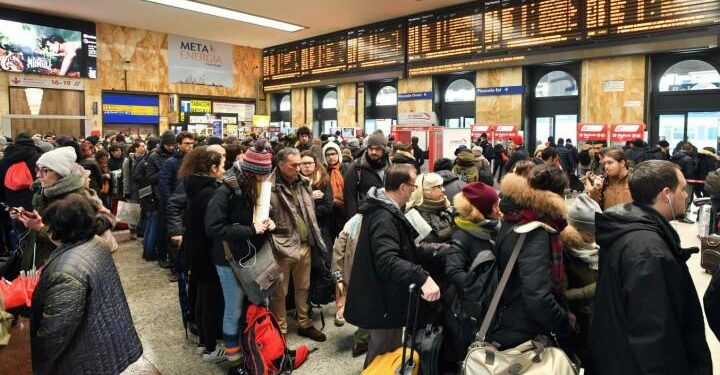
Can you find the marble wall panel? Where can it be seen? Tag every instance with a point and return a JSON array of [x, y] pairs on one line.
[[503, 109], [347, 104], [297, 96], [412, 85]]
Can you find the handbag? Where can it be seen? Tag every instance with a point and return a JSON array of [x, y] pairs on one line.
[[533, 357], [257, 273], [128, 212]]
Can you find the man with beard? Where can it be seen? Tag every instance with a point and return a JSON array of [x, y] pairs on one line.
[[647, 317], [305, 142], [364, 173]]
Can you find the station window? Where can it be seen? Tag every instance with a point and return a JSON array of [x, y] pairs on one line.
[[690, 75], [330, 100], [556, 83], [285, 104], [386, 96], [460, 90]]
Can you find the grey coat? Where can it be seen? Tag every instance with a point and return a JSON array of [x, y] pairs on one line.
[[81, 322]]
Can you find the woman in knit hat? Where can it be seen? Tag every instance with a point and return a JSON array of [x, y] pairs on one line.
[[581, 266], [430, 201], [477, 216], [465, 166], [55, 181], [230, 218]]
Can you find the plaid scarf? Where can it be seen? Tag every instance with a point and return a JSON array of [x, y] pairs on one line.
[[557, 268]]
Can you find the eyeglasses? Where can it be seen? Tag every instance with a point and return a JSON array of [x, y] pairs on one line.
[[414, 187], [307, 163], [42, 170]]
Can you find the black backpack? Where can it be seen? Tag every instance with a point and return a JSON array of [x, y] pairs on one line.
[[584, 157], [480, 284]]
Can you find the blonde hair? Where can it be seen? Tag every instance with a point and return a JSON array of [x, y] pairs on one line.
[[466, 210]]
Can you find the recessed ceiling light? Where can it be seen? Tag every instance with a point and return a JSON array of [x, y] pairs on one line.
[[217, 11]]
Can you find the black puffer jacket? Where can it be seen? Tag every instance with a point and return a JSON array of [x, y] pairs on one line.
[[706, 163], [528, 307], [384, 266], [22, 151], [355, 191], [154, 165], [686, 163], [200, 189], [473, 241], [452, 183], [81, 322], [229, 218], [647, 317], [711, 301]]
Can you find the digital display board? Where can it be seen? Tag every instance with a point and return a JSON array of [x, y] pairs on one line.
[[41, 44], [476, 33], [358, 49], [130, 109]]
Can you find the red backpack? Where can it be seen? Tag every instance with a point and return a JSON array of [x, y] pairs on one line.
[[18, 177], [266, 352]]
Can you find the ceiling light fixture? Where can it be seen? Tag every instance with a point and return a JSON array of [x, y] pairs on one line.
[[217, 11]]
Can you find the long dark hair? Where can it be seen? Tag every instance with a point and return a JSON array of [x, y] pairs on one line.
[[199, 161], [320, 177], [248, 187]]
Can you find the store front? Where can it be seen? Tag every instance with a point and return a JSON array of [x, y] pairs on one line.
[[281, 111], [380, 106], [215, 117], [554, 102], [686, 98]]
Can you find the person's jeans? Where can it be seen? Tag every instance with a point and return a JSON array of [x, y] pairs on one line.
[[233, 296], [150, 236]]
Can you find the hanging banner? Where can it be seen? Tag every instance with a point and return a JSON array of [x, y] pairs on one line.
[[592, 132], [477, 130], [504, 132], [199, 62], [626, 132]]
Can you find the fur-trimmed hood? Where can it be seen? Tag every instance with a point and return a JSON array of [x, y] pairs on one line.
[[517, 190]]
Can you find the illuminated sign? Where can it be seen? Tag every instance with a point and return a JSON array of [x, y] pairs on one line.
[[592, 132], [130, 109]]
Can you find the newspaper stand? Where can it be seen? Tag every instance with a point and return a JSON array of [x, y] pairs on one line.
[[432, 136]]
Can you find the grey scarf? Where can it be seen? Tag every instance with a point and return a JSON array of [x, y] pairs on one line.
[[588, 254]]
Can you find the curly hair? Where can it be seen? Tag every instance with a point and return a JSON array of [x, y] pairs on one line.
[[71, 219], [199, 161], [548, 177]]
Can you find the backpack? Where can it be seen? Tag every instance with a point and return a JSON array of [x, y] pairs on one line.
[[488, 151], [480, 284], [18, 177], [712, 183], [265, 350]]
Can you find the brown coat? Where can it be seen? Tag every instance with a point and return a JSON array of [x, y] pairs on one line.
[[286, 239], [615, 192]]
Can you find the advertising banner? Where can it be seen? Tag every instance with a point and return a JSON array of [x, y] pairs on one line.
[[199, 62], [245, 111], [417, 118], [592, 132], [29, 48], [130, 109], [477, 130], [24, 80], [452, 139], [504, 132], [626, 132]]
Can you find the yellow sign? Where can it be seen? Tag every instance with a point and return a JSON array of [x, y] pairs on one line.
[[133, 110], [200, 106], [261, 120]]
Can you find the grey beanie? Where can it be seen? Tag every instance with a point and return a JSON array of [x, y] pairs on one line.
[[61, 160], [581, 214]]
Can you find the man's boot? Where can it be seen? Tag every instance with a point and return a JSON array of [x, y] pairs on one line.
[[312, 333]]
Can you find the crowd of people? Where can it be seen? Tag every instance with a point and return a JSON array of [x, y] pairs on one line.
[[603, 274]]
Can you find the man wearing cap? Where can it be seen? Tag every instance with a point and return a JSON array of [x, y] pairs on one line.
[[581, 266], [365, 172], [292, 208], [154, 164], [519, 152]]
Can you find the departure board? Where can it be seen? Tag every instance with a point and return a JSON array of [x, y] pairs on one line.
[[469, 35], [439, 35]]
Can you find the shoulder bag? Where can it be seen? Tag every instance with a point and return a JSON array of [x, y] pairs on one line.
[[258, 273], [533, 357]]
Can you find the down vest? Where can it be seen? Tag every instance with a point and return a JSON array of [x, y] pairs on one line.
[[81, 322]]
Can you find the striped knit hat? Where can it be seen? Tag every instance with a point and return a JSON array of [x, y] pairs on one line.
[[257, 159]]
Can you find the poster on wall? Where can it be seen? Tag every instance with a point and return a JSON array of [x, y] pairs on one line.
[[452, 139], [626, 132], [130, 109], [41, 44], [591, 132], [199, 62]]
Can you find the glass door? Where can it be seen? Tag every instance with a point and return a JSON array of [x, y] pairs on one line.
[[563, 126], [544, 128], [672, 128], [462, 122], [699, 128]]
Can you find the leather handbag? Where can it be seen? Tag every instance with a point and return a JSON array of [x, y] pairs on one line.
[[533, 357], [710, 252], [257, 273]]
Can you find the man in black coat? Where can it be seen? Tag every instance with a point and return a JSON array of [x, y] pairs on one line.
[[711, 301], [153, 166], [519, 153], [366, 172], [688, 167], [647, 317], [385, 266]]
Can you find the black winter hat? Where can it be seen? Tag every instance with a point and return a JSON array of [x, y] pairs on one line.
[[168, 138]]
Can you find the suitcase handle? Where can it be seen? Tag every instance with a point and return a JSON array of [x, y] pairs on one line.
[[406, 337]]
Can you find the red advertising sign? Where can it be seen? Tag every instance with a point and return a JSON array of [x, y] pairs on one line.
[[504, 132], [477, 130], [626, 132], [592, 132]]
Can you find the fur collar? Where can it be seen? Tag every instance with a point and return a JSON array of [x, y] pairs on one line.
[[571, 238], [518, 189]]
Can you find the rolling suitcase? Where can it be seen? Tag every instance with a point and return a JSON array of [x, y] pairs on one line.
[[710, 252], [397, 362], [429, 341]]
